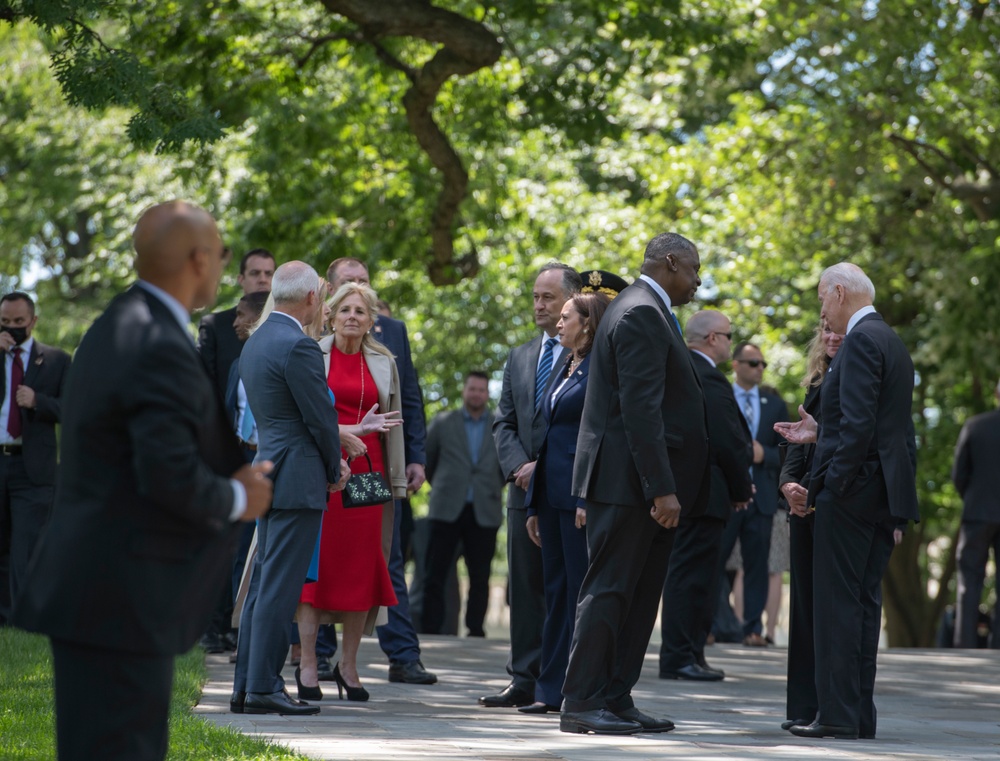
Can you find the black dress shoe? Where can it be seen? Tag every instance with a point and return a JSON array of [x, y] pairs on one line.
[[306, 692], [236, 702], [509, 697], [411, 673], [276, 702], [693, 672], [786, 725], [648, 723], [600, 722], [704, 664], [539, 707], [825, 730], [324, 669], [212, 643]]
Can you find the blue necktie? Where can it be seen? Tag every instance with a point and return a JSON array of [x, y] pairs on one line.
[[677, 323], [748, 413], [248, 424], [544, 370]]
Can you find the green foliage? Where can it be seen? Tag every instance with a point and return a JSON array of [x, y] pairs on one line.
[[27, 705], [779, 136]]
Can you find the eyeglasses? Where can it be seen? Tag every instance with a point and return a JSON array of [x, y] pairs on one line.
[[720, 333], [227, 255], [752, 362]]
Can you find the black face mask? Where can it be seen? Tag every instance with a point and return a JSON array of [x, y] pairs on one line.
[[18, 334]]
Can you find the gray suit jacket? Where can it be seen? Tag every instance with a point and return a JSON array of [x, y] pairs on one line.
[[450, 472], [282, 371], [519, 428]]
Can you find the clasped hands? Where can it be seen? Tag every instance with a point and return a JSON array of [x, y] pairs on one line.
[[803, 432]]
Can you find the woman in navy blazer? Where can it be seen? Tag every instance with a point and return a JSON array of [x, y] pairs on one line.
[[556, 518]]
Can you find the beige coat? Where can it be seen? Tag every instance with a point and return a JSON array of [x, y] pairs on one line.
[[383, 370]]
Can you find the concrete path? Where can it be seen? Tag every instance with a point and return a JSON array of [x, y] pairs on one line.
[[933, 704]]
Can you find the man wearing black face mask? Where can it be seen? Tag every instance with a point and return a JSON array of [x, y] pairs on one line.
[[33, 379]]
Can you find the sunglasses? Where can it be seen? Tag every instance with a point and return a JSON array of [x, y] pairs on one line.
[[753, 362]]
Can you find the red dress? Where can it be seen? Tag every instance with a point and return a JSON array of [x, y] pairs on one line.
[[352, 571]]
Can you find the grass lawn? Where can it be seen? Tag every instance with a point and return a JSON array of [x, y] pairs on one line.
[[27, 723]]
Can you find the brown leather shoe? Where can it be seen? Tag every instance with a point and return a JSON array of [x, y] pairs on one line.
[[754, 640]]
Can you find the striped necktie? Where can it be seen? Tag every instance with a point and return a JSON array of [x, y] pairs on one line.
[[544, 370]]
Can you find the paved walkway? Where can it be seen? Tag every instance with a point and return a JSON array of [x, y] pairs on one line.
[[933, 704]]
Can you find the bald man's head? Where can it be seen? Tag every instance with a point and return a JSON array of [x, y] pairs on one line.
[[178, 248]]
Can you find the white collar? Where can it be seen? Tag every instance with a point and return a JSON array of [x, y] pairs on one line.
[[658, 289], [710, 360], [856, 317], [285, 314], [176, 308]]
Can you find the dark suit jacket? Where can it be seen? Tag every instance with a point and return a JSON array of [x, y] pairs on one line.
[[644, 432], [450, 472], [731, 451], [552, 482], [392, 333], [867, 429], [45, 372], [519, 427], [140, 544], [976, 471], [219, 346], [282, 372]]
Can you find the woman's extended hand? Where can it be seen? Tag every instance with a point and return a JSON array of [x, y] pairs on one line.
[[373, 421]]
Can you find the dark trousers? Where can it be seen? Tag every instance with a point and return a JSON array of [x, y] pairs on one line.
[[564, 561], [110, 705], [478, 543], [629, 555], [974, 542], [754, 532], [24, 511], [285, 543], [526, 598], [851, 552], [690, 592], [800, 694]]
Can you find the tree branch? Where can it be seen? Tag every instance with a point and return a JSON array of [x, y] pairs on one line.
[[466, 47]]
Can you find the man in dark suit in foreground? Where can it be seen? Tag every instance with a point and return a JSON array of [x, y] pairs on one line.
[[282, 371], [863, 486], [31, 388], [975, 474], [692, 585], [642, 460], [151, 486]]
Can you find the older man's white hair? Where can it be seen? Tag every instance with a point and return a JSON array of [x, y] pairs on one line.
[[850, 277], [292, 282]]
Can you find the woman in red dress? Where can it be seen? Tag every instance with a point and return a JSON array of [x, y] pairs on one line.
[[353, 579]]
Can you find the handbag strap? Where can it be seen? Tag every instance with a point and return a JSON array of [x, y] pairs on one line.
[[371, 468]]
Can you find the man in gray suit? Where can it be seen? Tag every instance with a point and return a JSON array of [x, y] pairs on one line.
[[282, 371], [465, 506], [518, 431]]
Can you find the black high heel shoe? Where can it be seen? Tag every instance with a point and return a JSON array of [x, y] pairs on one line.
[[307, 693], [359, 694]]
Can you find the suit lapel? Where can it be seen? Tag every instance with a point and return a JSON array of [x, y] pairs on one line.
[[33, 366], [578, 376]]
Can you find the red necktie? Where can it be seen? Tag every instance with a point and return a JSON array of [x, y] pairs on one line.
[[16, 378]]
